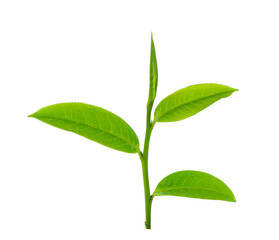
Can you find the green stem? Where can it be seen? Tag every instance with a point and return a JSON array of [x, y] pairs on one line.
[[144, 162]]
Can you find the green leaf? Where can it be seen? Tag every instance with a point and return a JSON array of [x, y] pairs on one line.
[[92, 122], [153, 73], [188, 101], [194, 184]]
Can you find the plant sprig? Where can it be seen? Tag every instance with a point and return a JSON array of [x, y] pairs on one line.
[[108, 129]]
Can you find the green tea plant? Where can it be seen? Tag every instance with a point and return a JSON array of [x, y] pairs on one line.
[[108, 129]]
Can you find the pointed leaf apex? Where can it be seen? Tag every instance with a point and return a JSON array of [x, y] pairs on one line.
[[233, 200]]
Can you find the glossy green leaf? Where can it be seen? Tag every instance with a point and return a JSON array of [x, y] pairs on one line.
[[92, 122], [153, 82], [188, 101], [194, 184]]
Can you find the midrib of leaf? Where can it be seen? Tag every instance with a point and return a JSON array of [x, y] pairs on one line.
[[185, 188], [155, 120], [86, 125], [154, 80]]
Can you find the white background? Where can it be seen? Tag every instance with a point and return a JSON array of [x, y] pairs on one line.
[[58, 185]]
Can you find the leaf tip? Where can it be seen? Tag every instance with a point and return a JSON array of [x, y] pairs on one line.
[[235, 89], [233, 199], [152, 41]]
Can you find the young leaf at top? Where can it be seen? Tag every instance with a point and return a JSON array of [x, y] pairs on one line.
[[92, 122], [153, 82], [188, 101], [194, 184]]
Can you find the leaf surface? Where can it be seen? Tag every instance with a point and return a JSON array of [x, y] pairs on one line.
[[92, 122], [188, 101], [153, 81], [194, 184]]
